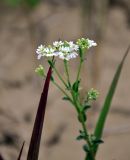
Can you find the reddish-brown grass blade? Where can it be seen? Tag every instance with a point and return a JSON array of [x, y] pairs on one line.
[[38, 125], [21, 150], [1, 158]]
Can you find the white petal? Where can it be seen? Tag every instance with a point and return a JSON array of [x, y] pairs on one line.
[[91, 43], [39, 56]]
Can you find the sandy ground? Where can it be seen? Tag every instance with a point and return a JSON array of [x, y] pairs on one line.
[[20, 88]]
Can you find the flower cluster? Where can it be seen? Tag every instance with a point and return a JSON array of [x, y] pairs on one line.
[[45, 51], [92, 94], [40, 70], [86, 43], [64, 49]]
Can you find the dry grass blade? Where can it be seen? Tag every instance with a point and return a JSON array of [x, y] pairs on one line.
[[20, 153], [38, 125], [1, 158]]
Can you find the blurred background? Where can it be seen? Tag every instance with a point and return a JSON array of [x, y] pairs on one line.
[[25, 24]]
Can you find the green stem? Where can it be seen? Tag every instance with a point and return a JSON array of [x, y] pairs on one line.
[[62, 80], [87, 140], [67, 72], [75, 102], [79, 69], [81, 53], [83, 126], [62, 91]]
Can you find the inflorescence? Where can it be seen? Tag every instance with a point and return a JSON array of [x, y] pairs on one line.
[[64, 49]]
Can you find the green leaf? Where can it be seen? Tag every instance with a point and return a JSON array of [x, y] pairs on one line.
[[105, 109], [81, 132], [98, 141], [29, 3], [66, 98], [51, 63], [13, 3], [80, 137], [86, 106], [32, 3], [85, 148], [52, 78], [75, 86]]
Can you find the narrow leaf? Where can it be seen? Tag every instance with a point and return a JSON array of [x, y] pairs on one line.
[[51, 62], [85, 148], [66, 98], [98, 141], [80, 137], [75, 86], [38, 125], [105, 109], [20, 153]]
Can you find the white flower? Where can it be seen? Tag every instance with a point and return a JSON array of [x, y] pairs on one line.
[[91, 43], [76, 47], [39, 56], [72, 55], [71, 43], [73, 46], [57, 44], [45, 51], [67, 55], [61, 55], [49, 52], [40, 51], [67, 52], [64, 49]]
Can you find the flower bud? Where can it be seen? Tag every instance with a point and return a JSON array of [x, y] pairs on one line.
[[92, 94], [40, 70]]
